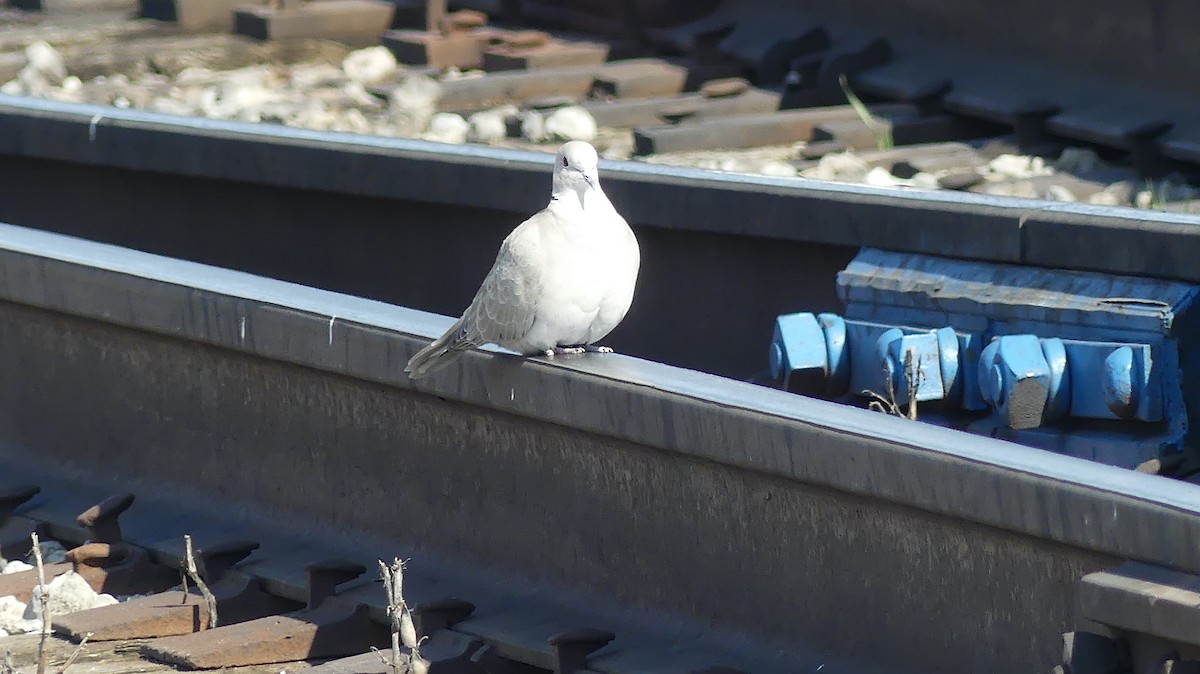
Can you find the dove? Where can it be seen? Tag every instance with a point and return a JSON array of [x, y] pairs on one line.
[[562, 280]]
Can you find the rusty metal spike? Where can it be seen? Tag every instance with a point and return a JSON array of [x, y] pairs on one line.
[[120, 568], [97, 554], [101, 520], [239, 599]]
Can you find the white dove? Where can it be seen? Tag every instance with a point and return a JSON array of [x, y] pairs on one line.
[[563, 279]]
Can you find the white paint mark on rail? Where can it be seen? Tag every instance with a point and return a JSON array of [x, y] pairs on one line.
[[92, 126]]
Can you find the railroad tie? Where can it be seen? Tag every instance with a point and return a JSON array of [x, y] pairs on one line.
[[340, 19], [239, 598], [327, 627], [106, 563], [744, 131], [446, 651]]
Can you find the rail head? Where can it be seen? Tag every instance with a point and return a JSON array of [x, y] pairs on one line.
[[1042, 233], [983, 480]]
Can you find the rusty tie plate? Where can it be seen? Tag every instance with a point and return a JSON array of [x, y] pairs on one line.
[[328, 627]]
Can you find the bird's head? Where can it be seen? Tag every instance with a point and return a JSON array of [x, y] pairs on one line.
[[575, 168]]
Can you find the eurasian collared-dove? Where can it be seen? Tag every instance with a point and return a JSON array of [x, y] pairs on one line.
[[563, 278]]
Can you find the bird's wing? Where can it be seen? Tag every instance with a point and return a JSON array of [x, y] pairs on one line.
[[505, 307]]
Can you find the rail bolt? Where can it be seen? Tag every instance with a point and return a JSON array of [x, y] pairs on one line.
[[808, 354], [1025, 379], [1120, 383]]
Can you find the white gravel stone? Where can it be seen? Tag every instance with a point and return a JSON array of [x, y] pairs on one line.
[[447, 127], [352, 121], [1059, 193], [454, 73], [571, 123], [1019, 166], [306, 76], [46, 62], [369, 66], [880, 177], [1104, 198], [533, 126], [778, 169], [491, 126], [841, 166], [1144, 199], [12, 88], [1013, 188], [413, 102], [925, 181], [195, 74], [357, 94], [171, 106], [15, 566], [12, 617], [733, 165], [69, 593]]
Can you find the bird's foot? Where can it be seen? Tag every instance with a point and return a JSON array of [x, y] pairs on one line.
[[564, 350], [571, 350]]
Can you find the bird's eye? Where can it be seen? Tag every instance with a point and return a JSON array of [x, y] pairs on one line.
[[564, 161]]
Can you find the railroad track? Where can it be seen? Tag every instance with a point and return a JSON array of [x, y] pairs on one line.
[[239, 408], [747, 87], [568, 496]]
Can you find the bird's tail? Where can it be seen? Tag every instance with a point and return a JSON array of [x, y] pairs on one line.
[[439, 354]]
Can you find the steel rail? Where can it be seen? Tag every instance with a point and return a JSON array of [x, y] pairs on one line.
[[1040, 233], [833, 520]]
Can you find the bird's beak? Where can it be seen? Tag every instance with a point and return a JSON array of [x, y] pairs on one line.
[[589, 180]]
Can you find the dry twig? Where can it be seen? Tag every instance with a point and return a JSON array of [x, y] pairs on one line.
[[404, 631], [75, 653], [914, 378], [44, 595], [190, 567]]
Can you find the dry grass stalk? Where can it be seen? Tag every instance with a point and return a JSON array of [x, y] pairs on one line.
[[190, 567], [44, 595], [406, 647], [914, 378], [75, 653], [881, 129]]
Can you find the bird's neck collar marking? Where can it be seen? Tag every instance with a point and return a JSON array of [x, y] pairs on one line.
[[587, 196]]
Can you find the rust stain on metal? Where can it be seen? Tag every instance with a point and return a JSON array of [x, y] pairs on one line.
[[332, 630], [239, 598], [21, 583]]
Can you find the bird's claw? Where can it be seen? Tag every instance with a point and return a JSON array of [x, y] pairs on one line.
[[571, 350]]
